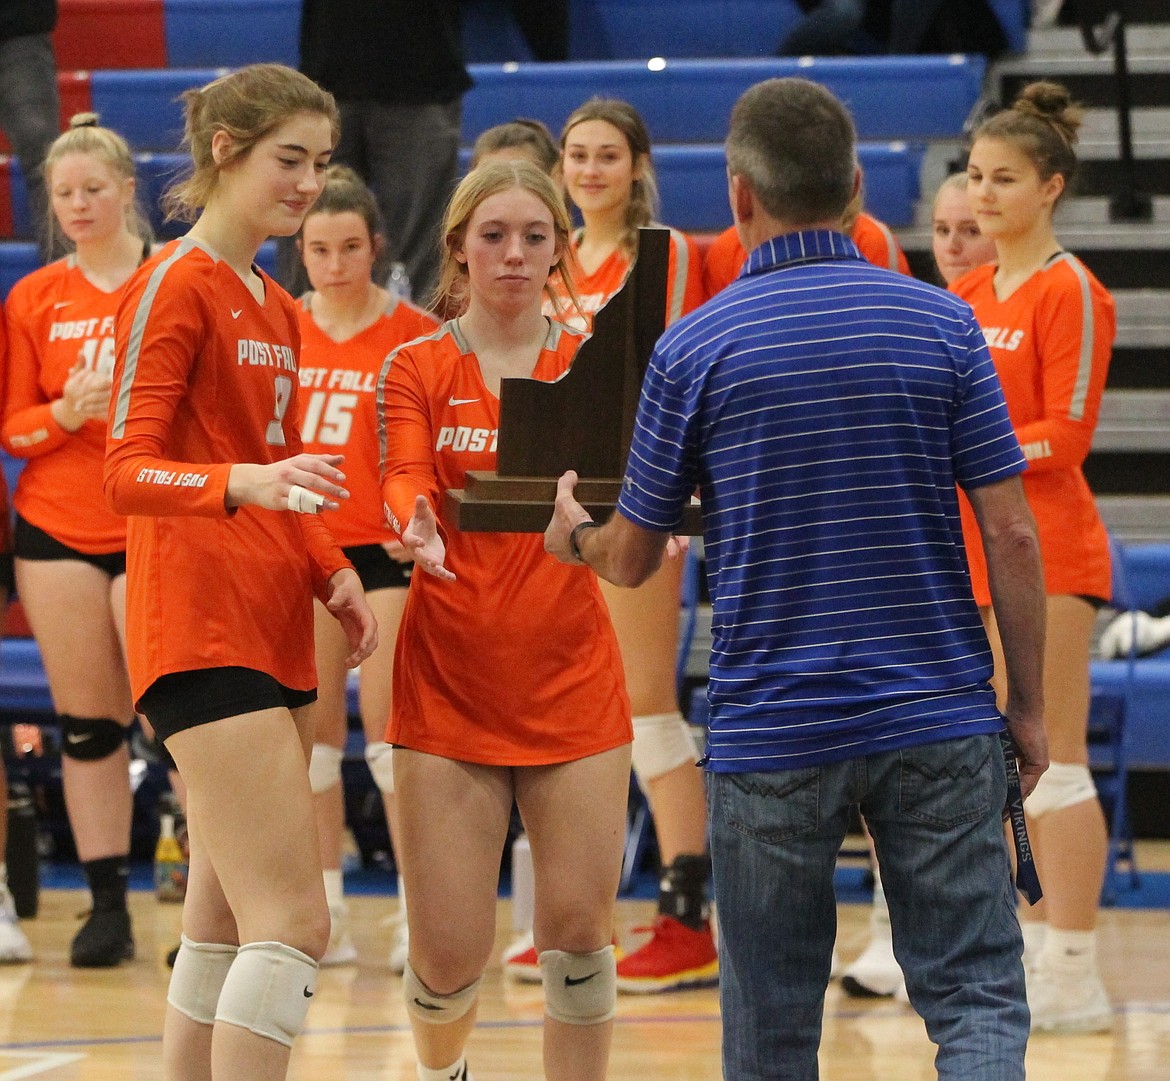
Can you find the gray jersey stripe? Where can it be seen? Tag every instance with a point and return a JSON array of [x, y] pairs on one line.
[[1076, 407], [137, 331]]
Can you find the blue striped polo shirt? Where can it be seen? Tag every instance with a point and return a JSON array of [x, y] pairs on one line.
[[825, 409]]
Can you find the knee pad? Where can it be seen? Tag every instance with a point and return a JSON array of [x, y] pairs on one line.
[[324, 767], [268, 990], [197, 978], [662, 742], [1061, 785], [380, 759], [579, 988], [424, 1004], [90, 739]]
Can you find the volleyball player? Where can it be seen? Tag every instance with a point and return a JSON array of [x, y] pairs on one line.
[[225, 555]]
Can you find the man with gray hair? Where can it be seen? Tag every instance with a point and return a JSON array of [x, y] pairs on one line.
[[826, 409]]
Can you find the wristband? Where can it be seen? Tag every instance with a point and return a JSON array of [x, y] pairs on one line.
[[574, 542]]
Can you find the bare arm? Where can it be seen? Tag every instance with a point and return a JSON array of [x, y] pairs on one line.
[[1016, 578], [619, 551]]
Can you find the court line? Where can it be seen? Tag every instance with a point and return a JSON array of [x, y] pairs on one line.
[[44, 1062]]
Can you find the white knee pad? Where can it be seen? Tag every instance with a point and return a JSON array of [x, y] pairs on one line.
[[380, 759], [423, 1003], [1061, 785], [268, 990], [197, 978], [662, 742], [579, 988], [324, 767]]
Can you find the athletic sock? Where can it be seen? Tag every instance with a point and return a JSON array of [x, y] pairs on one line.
[[1073, 952], [457, 1071], [108, 878], [1035, 933], [682, 891]]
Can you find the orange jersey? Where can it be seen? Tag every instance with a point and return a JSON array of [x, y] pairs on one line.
[[57, 316], [516, 662], [336, 411], [5, 517], [875, 241], [1051, 341], [206, 377], [684, 283]]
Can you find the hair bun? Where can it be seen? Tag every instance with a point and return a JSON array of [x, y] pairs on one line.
[[337, 173], [1051, 102], [85, 120]]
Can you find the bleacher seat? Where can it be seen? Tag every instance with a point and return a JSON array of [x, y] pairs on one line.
[[689, 101], [109, 34], [215, 33], [16, 260]]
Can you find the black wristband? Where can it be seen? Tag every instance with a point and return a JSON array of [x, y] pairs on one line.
[[574, 543]]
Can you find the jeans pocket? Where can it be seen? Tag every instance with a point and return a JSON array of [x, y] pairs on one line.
[[771, 807], [949, 783]]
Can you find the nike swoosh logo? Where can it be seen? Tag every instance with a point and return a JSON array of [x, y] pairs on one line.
[[236, 314], [308, 993], [74, 738], [461, 401], [62, 304], [570, 982], [428, 1005]]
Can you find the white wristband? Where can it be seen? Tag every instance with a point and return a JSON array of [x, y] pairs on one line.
[[303, 501]]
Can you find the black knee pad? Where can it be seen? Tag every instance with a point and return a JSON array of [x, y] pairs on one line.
[[90, 739]]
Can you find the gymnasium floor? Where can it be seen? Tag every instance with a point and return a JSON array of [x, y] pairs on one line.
[[61, 1024]]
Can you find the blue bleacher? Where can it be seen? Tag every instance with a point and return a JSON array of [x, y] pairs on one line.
[[231, 33]]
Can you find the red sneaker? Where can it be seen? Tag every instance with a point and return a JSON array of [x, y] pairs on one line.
[[520, 962], [675, 957]]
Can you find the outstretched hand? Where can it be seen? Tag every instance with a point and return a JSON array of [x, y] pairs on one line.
[[305, 482], [348, 605], [424, 542]]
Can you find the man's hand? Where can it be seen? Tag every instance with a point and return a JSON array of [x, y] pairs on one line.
[[424, 542], [347, 604], [1027, 730], [567, 515]]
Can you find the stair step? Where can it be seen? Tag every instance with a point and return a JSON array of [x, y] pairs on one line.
[[1136, 519], [1090, 80], [1133, 421], [1064, 42]]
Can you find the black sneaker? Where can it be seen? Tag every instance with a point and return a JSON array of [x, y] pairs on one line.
[[103, 941]]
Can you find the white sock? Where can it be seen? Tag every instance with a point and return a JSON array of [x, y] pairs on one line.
[[334, 890], [1073, 952], [401, 896], [1035, 933], [454, 1072]]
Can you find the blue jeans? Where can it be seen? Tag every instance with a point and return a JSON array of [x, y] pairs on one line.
[[935, 813]]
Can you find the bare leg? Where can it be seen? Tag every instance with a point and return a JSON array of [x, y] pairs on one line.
[[575, 817]]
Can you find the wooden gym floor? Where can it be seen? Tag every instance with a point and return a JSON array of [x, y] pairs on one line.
[[62, 1024]]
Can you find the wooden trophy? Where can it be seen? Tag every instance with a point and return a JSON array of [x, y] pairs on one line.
[[584, 421]]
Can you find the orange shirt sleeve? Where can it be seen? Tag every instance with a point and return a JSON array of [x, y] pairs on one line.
[[684, 277], [725, 257], [154, 360], [408, 458], [29, 428], [878, 244], [1074, 329]]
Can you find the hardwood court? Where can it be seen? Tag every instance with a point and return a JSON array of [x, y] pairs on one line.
[[62, 1024]]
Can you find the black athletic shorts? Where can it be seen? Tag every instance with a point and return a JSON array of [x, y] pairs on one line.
[[182, 700], [376, 569], [32, 542]]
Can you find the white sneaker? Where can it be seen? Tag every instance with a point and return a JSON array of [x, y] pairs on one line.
[[876, 973], [1067, 1002], [341, 950], [399, 947], [14, 945]]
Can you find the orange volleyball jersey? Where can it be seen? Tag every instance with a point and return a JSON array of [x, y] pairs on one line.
[[57, 316], [206, 377], [875, 241], [516, 662], [684, 283], [337, 413], [5, 516], [1051, 342]]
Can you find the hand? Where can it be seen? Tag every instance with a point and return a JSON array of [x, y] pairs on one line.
[[397, 551], [567, 515], [85, 396], [677, 547], [1027, 730], [347, 604], [1145, 632], [424, 542], [268, 485]]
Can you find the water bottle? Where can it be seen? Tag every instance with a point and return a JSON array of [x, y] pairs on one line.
[[399, 281], [170, 865]]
